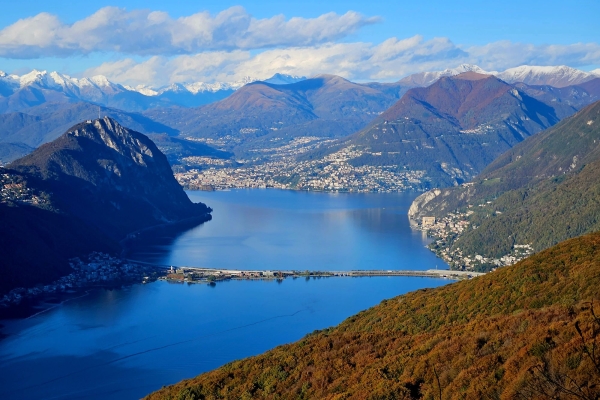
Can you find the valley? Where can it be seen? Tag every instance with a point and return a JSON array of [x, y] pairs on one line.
[[491, 171]]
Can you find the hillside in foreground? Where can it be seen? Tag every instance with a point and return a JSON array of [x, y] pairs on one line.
[[531, 331]]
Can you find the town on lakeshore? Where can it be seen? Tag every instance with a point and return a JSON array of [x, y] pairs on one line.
[[445, 231], [279, 168], [96, 270]]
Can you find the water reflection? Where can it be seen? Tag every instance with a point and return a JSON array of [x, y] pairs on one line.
[[272, 229]]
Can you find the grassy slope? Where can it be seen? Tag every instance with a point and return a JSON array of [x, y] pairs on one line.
[[513, 333]]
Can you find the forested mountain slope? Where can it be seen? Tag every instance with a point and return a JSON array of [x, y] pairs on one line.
[[84, 192], [541, 192], [451, 130]]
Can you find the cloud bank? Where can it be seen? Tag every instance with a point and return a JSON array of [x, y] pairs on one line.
[[153, 48], [145, 32], [387, 61]]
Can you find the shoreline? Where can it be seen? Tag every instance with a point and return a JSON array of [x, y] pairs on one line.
[[23, 302]]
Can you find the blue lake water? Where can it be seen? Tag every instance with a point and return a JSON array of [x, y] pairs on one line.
[[282, 229], [123, 344]]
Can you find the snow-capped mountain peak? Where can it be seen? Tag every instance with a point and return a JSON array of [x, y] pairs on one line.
[[33, 77], [465, 68], [143, 89], [558, 76], [427, 78], [284, 79], [101, 80]]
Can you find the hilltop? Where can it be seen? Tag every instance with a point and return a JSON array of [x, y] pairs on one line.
[[531, 330]]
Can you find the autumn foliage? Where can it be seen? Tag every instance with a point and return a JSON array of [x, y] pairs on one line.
[[529, 331]]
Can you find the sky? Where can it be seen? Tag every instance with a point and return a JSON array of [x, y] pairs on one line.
[[157, 43]]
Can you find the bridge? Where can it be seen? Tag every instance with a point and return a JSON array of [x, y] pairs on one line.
[[275, 274]]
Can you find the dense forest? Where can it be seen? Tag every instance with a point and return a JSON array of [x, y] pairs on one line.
[[528, 331]]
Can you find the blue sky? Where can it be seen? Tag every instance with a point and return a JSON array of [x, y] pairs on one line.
[[157, 42]]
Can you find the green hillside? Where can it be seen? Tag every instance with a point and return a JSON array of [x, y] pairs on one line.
[[541, 192], [530, 331]]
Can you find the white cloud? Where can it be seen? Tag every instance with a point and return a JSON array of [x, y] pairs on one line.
[[144, 32], [390, 60]]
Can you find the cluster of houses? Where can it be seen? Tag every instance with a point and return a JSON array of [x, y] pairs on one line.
[[445, 231], [97, 270], [13, 189]]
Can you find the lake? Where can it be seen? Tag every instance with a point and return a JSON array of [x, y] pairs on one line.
[[292, 230], [123, 344]]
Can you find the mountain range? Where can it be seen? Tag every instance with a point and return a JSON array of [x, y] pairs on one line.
[[18, 93], [39, 106], [261, 115], [451, 129], [36, 87], [557, 76], [323, 106]]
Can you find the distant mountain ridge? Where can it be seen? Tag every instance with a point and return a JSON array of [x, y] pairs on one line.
[[423, 79], [283, 79], [17, 93], [37, 107], [450, 130], [557, 76], [324, 106]]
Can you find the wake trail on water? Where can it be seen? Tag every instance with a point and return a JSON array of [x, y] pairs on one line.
[[58, 305], [155, 349]]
